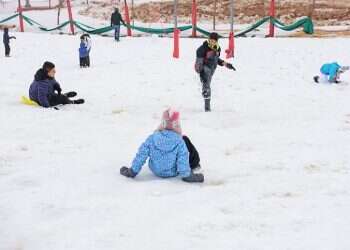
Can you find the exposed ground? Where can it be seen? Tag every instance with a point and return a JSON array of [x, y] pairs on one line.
[[326, 12]]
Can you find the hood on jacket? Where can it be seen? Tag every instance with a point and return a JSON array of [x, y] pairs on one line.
[[41, 75], [166, 140]]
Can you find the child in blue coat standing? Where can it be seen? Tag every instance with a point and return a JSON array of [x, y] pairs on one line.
[[330, 73], [84, 51], [169, 153]]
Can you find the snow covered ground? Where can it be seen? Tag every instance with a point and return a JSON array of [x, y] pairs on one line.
[[275, 150]]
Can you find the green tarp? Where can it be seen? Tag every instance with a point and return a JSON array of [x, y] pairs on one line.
[[305, 22], [8, 18]]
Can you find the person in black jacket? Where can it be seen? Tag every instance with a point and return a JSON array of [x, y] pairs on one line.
[[6, 40], [208, 57], [116, 19], [46, 91]]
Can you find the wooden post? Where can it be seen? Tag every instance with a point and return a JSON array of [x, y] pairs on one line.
[[127, 18], [20, 11], [70, 17], [132, 12], [272, 15], [230, 52], [176, 52], [194, 18]]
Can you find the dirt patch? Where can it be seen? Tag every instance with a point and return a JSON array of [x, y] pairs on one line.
[[324, 12]]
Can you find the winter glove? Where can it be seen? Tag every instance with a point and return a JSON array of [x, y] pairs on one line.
[[230, 66], [194, 178], [127, 172], [57, 87], [198, 67]]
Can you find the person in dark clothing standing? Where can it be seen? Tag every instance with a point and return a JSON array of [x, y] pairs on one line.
[[116, 19], [6, 40], [46, 91], [208, 57]]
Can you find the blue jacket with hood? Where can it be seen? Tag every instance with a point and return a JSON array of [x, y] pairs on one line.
[[330, 70], [167, 153]]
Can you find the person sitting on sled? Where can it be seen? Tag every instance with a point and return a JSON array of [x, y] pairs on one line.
[[46, 91], [170, 154], [330, 73]]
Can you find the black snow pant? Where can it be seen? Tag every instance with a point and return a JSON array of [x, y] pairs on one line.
[[194, 156], [206, 75], [88, 61], [59, 99], [7, 49], [84, 61]]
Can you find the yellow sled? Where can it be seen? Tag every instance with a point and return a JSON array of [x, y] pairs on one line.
[[25, 100]]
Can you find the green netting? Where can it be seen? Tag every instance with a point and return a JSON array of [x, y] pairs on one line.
[[55, 28], [306, 23], [41, 27], [9, 18], [91, 30], [252, 27], [205, 32], [31, 21], [158, 31]]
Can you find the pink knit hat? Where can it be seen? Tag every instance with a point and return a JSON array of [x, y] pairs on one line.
[[171, 121]]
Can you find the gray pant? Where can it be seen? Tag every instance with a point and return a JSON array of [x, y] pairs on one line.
[[206, 75], [116, 32]]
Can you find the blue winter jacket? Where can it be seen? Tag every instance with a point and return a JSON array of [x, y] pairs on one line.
[[83, 51], [330, 69], [42, 88], [167, 153]]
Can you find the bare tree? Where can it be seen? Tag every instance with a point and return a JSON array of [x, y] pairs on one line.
[[312, 7], [27, 5]]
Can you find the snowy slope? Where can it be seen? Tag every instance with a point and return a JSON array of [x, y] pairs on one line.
[[274, 151]]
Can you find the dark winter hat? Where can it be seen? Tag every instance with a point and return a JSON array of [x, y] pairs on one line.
[[6, 30], [47, 66], [214, 36]]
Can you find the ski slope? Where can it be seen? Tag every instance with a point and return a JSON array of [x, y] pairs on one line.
[[275, 150]]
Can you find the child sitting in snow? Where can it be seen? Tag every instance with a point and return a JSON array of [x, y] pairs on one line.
[[6, 39], [46, 91], [84, 51], [330, 73], [170, 154]]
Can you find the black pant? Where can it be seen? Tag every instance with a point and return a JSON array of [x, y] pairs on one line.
[[7, 49], [206, 75], [59, 99], [84, 61], [194, 156]]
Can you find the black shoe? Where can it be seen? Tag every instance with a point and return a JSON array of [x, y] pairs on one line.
[[79, 101], [70, 94], [316, 78], [207, 105]]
